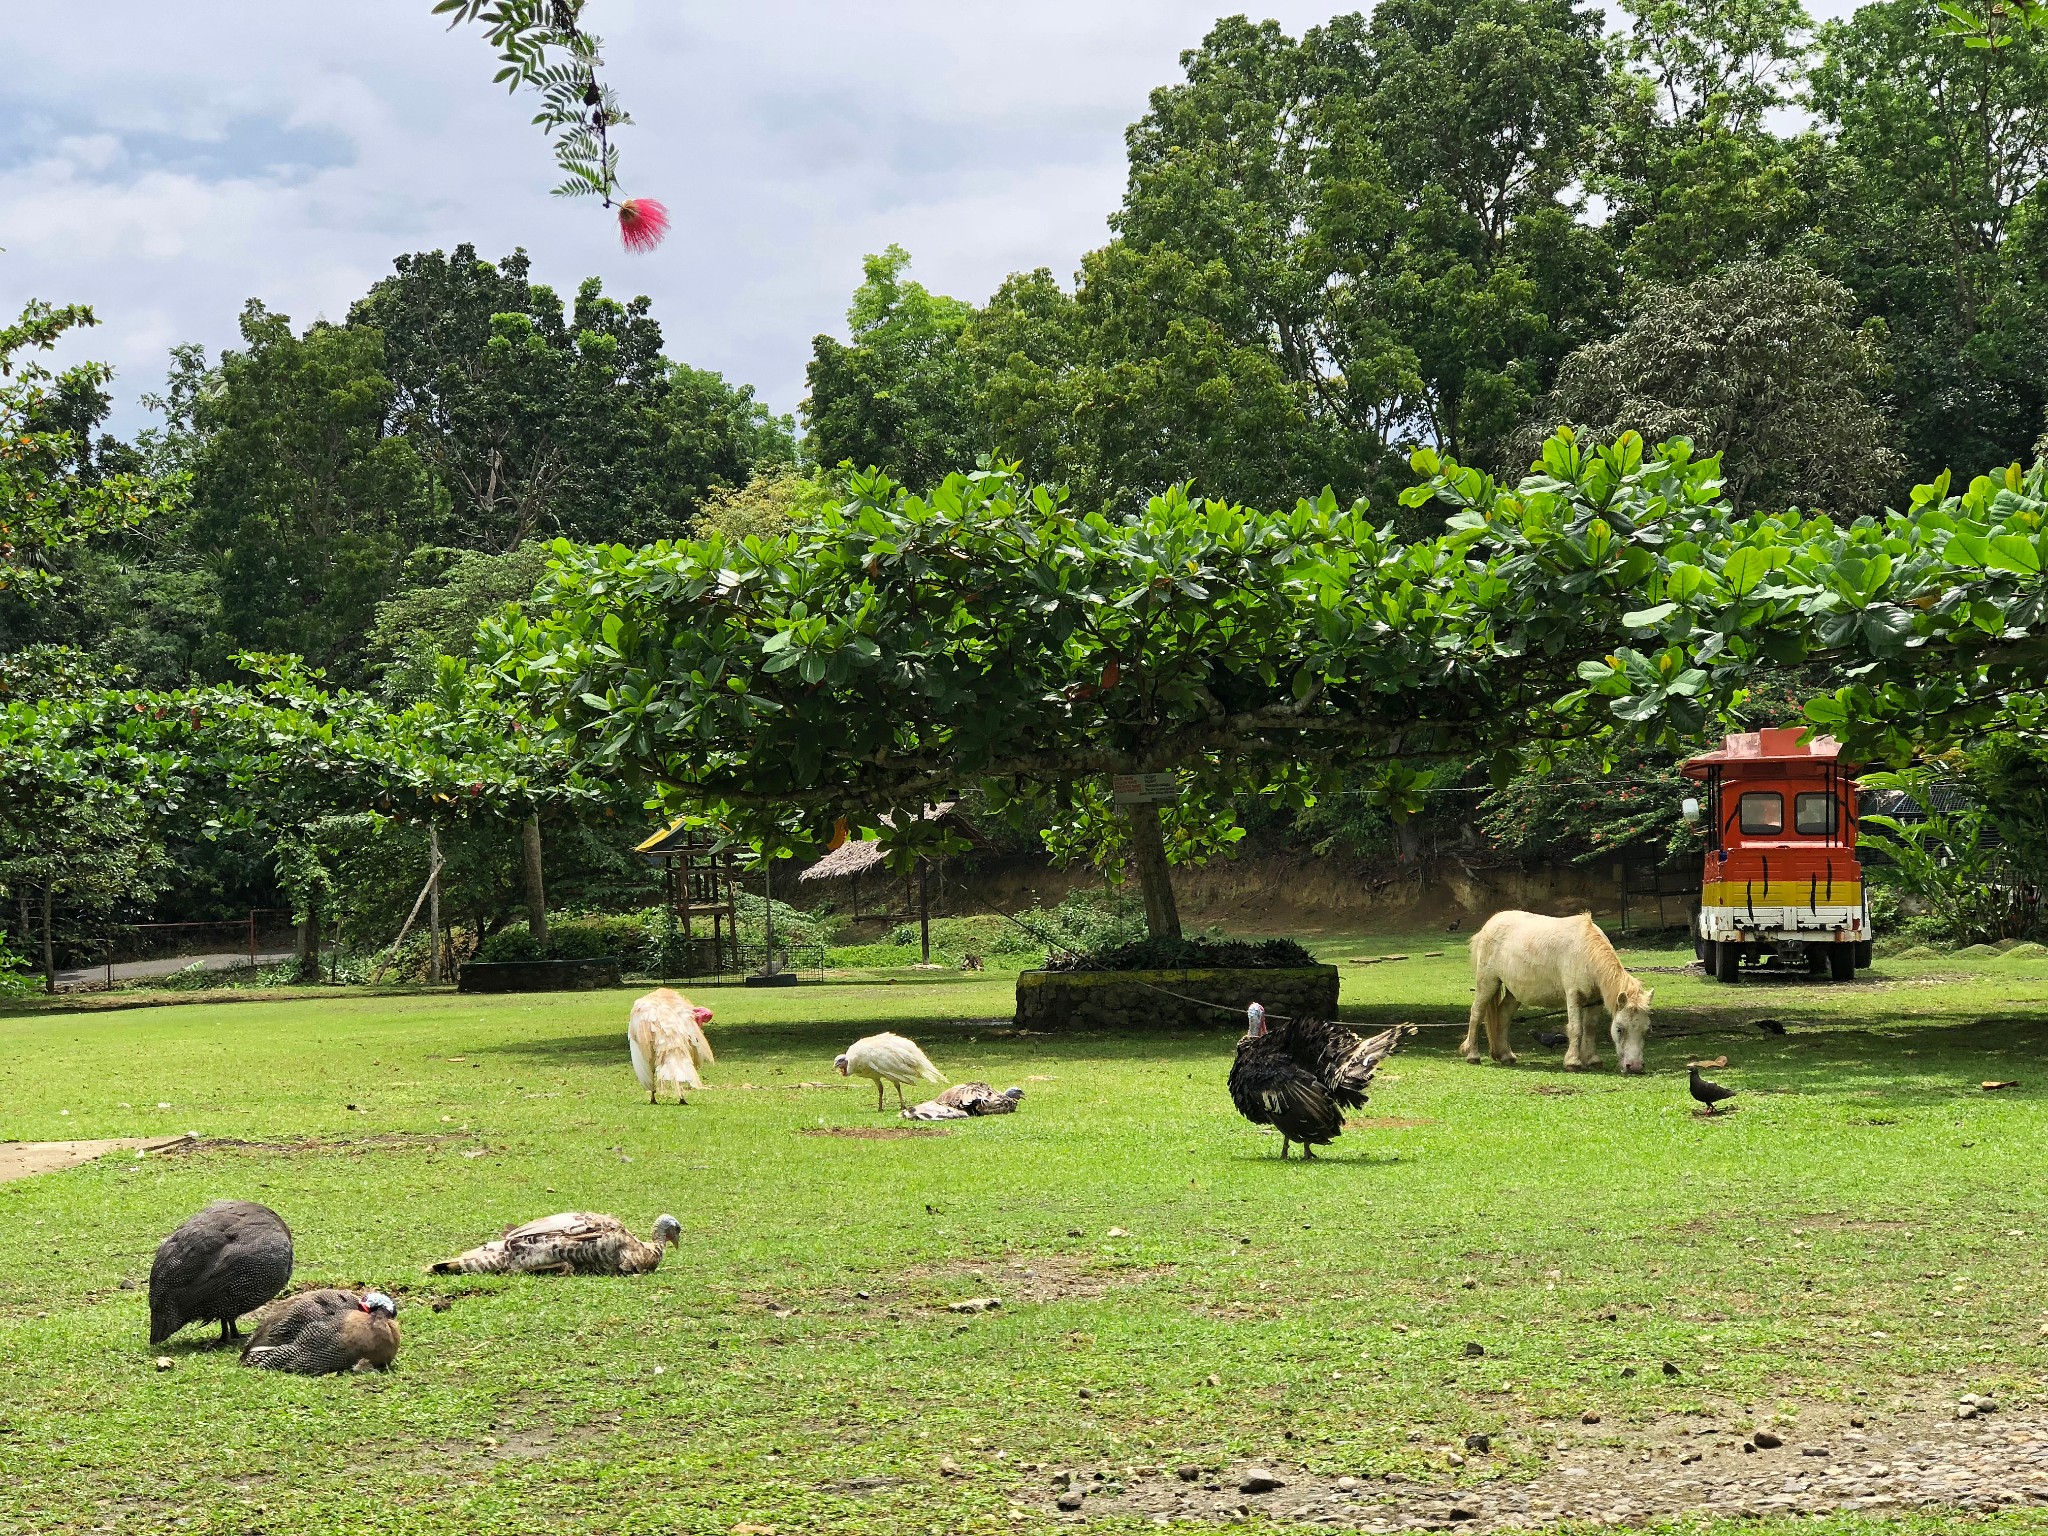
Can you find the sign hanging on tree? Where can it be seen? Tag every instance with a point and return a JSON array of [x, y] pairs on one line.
[[1145, 788]]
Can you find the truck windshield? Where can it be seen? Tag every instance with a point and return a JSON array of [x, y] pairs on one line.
[[1762, 813]]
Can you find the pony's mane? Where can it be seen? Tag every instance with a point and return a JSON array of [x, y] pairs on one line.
[[1617, 986]]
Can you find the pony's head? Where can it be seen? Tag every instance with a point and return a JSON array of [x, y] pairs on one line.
[[1631, 1025]]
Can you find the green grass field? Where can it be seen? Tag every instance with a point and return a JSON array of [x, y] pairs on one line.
[[1866, 1229]]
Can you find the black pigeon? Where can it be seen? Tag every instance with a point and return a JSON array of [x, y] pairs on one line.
[[1708, 1093], [1549, 1038], [1301, 1076], [1770, 1026]]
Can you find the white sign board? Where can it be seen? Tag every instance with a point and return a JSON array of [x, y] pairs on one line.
[[1145, 788]]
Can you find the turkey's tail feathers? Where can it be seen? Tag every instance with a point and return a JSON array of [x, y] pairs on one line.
[[1354, 1073]]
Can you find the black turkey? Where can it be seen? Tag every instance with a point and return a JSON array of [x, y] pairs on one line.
[[1301, 1076], [229, 1259]]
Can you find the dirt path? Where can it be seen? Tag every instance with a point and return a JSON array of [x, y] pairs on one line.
[[19, 1159], [1924, 1458]]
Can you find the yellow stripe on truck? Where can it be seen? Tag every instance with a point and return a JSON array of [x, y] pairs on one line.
[[1782, 893]]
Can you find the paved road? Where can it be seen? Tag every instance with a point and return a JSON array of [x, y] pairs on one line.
[[138, 970]]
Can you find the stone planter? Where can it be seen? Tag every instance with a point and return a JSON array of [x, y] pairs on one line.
[[537, 975], [1049, 1000]]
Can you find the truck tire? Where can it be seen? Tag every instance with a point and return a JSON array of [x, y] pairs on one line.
[[1842, 962], [1818, 961], [1863, 956], [1727, 961]]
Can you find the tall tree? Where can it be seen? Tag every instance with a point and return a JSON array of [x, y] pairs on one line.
[[1756, 362], [1934, 207], [303, 495], [899, 395]]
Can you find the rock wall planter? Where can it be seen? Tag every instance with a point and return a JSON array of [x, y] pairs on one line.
[[1049, 1000], [537, 975]]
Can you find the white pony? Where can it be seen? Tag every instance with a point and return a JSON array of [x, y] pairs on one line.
[[1551, 962], [665, 1033]]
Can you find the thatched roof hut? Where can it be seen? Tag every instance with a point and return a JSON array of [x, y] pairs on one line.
[[858, 855]]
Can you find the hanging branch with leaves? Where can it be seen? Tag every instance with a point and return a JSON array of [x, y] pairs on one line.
[[542, 47]]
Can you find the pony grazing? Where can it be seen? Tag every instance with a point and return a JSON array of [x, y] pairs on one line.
[[1554, 962]]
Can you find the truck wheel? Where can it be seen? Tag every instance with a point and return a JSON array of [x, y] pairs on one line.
[[1862, 955], [1817, 962], [1842, 962], [1727, 960]]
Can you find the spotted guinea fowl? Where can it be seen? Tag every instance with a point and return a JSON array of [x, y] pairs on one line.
[[229, 1259], [320, 1332], [965, 1101], [888, 1059], [1299, 1078], [572, 1243]]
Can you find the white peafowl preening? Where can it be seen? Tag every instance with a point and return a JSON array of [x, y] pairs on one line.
[[666, 1035], [888, 1059]]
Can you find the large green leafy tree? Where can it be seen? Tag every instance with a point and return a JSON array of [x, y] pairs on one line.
[[1758, 362], [905, 647], [535, 420], [303, 498], [900, 395], [1934, 210], [1690, 162]]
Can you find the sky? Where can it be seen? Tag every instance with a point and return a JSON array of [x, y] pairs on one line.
[[166, 163]]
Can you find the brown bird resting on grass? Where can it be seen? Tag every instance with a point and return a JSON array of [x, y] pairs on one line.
[[965, 1101], [1708, 1093], [229, 1259], [319, 1333], [572, 1243], [1302, 1076]]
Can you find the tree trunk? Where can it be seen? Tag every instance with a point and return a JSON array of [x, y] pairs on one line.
[[536, 892], [1148, 852], [924, 908], [49, 949], [309, 940], [433, 904]]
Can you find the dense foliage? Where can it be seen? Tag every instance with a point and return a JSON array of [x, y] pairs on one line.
[[1187, 955]]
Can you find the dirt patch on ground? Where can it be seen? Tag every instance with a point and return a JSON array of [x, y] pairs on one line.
[[1043, 1277], [312, 1144], [1387, 1123], [875, 1132], [1828, 1459], [1555, 1090], [21, 1159]]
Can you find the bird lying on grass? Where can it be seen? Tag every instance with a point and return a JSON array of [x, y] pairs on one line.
[[571, 1243], [321, 1332], [1708, 1093], [229, 1259], [964, 1101], [888, 1059], [1302, 1076], [665, 1033]]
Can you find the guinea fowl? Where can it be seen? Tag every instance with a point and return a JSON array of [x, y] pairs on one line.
[[964, 1101], [1708, 1093], [229, 1259], [320, 1332], [572, 1243], [1302, 1076], [888, 1059]]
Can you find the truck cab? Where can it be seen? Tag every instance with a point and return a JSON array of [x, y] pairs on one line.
[[1782, 886]]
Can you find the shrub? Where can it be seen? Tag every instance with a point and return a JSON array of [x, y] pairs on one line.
[[960, 937], [873, 957], [1188, 954]]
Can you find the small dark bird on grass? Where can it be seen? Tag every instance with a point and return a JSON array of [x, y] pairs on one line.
[[229, 1259], [319, 1333], [1770, 1026], [1708, 1093], [1549, 1038]]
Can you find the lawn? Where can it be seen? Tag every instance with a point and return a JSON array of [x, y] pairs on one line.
[[1863, 1234]]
